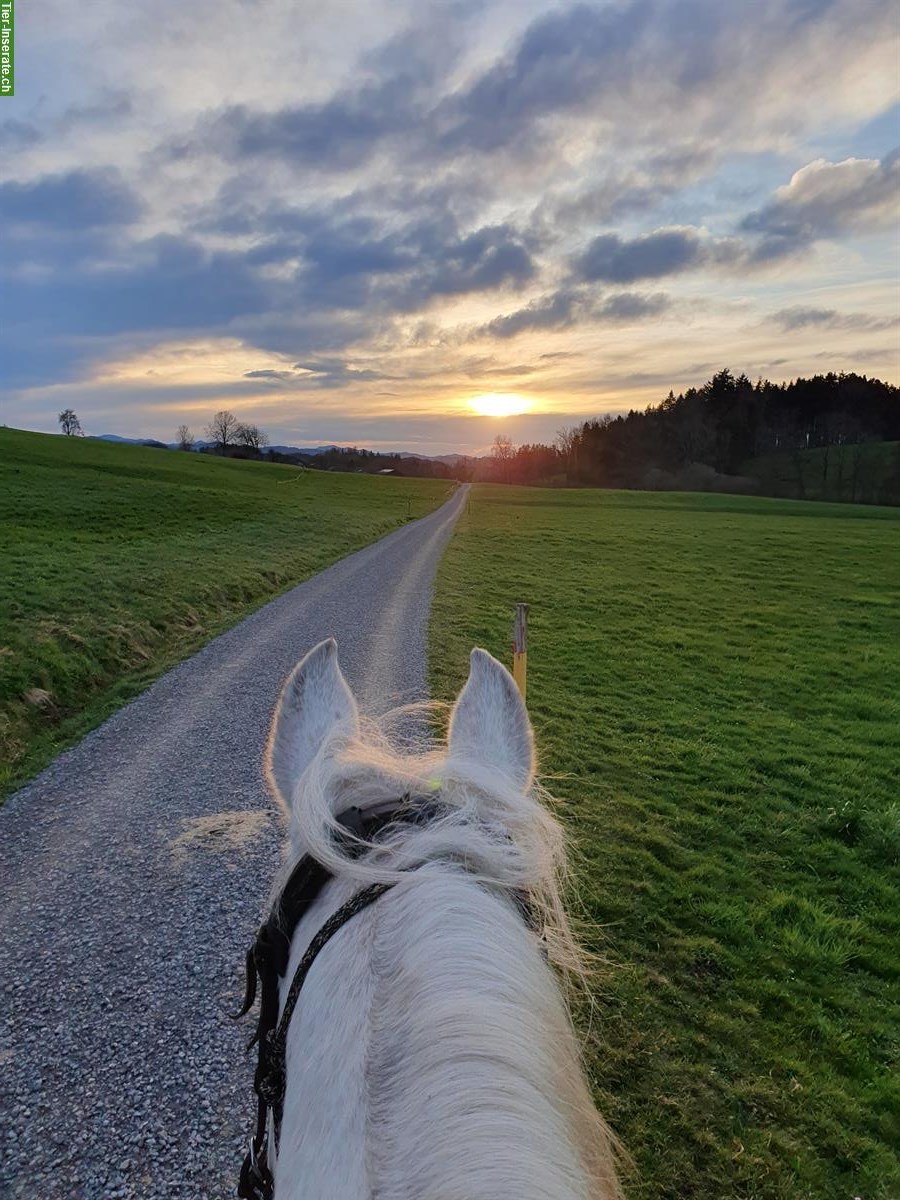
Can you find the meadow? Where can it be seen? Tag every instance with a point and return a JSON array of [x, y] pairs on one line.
[[118, 561], [713, 684]]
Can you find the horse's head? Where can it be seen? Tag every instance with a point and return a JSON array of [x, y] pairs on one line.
[[440, 870], [490, 740]]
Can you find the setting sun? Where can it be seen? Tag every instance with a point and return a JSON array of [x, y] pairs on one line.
[[499, 404]]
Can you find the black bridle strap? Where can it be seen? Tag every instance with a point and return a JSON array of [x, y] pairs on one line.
[[273, 1084], [267, 961], [256, 1182], [269, 956]]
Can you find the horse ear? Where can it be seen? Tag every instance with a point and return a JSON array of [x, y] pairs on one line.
[[315, 703], [489, 724]]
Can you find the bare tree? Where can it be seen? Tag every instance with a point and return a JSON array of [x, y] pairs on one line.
[[223, 430], [503, 452], [567, 444], [69, 423], [252, 437], [184, 438]]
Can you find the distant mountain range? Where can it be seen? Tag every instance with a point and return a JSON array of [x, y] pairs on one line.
[[309, 451]]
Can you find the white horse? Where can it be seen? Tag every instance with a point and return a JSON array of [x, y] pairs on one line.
[[431, 1055]]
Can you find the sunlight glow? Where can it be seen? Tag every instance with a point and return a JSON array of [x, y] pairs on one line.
[[499, 404]]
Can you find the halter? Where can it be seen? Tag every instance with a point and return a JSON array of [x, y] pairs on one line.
[[268, 959]]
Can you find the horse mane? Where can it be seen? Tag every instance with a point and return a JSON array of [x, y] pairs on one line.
[[485, 829]]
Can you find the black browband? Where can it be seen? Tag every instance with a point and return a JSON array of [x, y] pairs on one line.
[[268, 959]]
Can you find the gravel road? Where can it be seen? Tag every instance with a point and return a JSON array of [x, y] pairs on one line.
[[132, 875]]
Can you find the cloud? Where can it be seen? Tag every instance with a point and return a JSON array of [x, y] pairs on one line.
[[657, 73], [338, 135], [556, 311], [827, 200], [798, 317], [381, 191], [822, 200], [336, 372], [648, 74], [351, 266], [568, 307], [630, 306], [488, 258], [610, 258], [167, 283], [624, 190], [318, 373], [271, 375], [74, 200]]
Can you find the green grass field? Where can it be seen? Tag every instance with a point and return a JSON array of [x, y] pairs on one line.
[[714, 686], [120, 560]]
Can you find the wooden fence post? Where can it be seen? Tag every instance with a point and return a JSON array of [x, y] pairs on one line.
[[520, 648]]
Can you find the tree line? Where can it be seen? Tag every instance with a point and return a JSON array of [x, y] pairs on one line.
[[729, 435], [707, 438]]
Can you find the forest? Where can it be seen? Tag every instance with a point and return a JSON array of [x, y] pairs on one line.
[[730, 435]]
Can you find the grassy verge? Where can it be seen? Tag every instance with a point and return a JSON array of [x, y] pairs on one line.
[[713, 681], [121, 560]]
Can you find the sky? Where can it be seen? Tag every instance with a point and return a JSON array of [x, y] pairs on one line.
[[353, 222]]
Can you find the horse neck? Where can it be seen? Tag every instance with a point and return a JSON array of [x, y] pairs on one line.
[[432, 1055]]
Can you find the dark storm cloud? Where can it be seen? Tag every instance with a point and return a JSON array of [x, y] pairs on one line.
[[72, 201]]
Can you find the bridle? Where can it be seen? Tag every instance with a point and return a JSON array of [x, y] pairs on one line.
[[267, 960], [268, 957]]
